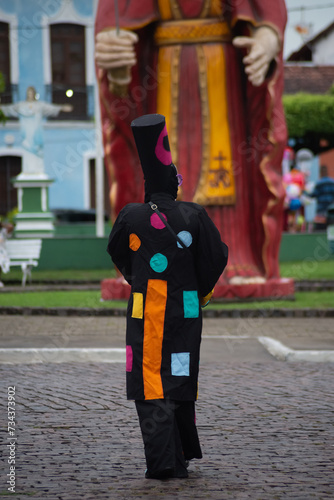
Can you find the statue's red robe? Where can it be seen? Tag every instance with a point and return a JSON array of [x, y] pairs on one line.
[[227, 136]]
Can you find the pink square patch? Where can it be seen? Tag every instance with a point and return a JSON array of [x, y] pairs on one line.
[[129, 358]]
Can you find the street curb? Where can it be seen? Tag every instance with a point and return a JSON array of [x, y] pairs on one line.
[[207, 313], [284, 353], [61, 311], [33, 355], [320, 285]]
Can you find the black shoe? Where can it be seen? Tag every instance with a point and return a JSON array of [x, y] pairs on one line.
[[162, 474], [166, 474]]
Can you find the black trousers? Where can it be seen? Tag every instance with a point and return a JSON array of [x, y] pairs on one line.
[[170, 436]]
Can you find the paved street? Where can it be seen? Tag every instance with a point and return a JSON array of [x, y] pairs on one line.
[[224, 339], [266, 426]]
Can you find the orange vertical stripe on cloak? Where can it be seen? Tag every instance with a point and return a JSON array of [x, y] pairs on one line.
[[154, 320]]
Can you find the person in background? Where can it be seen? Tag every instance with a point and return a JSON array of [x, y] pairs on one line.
[[171, 254], [324, 194], [5, 230], [294, 183]]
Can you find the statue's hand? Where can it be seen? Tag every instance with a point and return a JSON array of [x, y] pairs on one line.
[[263, 46], [115, 51], [116, 54]]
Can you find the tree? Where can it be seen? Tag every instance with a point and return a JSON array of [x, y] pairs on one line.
[[310, 119]]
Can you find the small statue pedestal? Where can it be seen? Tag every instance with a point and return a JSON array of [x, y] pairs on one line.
[[34, 218]]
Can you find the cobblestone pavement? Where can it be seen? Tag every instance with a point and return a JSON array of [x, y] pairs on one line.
[[266, 427], [266, 431]]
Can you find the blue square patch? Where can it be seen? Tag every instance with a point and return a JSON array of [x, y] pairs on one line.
[[190, 304], [180, 364]]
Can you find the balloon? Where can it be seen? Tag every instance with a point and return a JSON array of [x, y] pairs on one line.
[[293, 191], [287, 178], [295, 204]]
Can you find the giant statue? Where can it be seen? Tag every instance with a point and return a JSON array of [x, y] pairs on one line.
[[214, 69]]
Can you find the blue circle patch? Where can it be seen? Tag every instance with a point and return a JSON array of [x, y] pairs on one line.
[[158, 262], [186, 237]]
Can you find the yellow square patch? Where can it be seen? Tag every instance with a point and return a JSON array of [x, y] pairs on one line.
[[137, 305]]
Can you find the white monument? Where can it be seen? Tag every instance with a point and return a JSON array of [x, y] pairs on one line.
[[33, 218]]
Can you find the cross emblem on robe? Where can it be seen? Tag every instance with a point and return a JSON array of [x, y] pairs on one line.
[[221, 174]]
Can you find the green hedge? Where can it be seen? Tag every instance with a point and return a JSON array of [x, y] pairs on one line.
[[309, 113]]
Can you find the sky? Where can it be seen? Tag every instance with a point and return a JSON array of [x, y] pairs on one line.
[[317, 15]]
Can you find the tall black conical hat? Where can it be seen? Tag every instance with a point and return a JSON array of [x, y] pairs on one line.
[[151, 137]]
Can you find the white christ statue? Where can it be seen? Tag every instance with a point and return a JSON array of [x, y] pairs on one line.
[[31, 113]]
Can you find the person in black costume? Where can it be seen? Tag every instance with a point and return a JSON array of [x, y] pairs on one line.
[[172, 255]]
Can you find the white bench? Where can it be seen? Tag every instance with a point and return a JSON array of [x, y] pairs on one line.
[[24, 253]]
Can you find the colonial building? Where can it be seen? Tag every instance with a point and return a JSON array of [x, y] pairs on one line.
[[319, 49], [49, 45]]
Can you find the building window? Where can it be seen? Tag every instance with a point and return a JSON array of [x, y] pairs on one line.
[[69, 69], [10, 166], [6, 96]]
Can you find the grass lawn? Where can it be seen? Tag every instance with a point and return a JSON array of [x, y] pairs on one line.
[[61, 275], [92, 299], [307, 269]]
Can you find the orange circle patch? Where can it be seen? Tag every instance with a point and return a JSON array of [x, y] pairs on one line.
[[134, 242]]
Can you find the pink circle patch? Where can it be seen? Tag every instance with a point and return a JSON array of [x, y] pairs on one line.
[[161, 153], [156, 222]]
